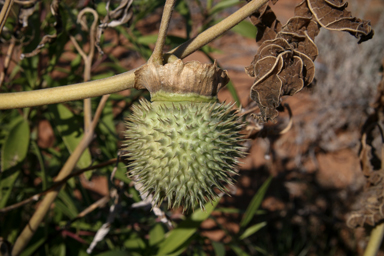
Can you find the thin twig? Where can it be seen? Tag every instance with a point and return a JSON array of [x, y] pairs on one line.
[[4, 13], [98, 204], [375, 240], [87, 60], [45, 205], [217, 30], [55, 185], [122, 81], [289, 125], [7, 60], [157, 55]]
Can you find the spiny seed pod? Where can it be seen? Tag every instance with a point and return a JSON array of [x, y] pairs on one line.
[[184, 145]]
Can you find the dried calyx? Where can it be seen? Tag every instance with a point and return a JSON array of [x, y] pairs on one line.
[[183, 146]]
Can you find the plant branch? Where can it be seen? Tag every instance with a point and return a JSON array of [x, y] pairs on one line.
[[87, 109], [217, 30], [375, 240], [4, 13], [157, 55], [122, 81], [7, 60], [45, 205]]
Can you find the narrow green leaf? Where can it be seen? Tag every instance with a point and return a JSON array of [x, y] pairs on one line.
[[7, 182], [113, 253], [156, 234], [135, 243], [69, 204], [255, 203], [232, 90], [252, 229], [40, 158], [150, 39], [66, 123], [239, 251], [246, 29], [15, 146], [224, 4], [219, 248], [33, 247], [186, 229], [13, 152]]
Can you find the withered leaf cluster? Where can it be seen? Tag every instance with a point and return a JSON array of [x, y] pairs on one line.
[[284, 63], [47, 39], [369, 207], [121, 15]]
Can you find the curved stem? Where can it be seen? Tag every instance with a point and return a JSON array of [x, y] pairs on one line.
[[68, 93], [217, 30], [375, 240], [123, 81], [5, 12]]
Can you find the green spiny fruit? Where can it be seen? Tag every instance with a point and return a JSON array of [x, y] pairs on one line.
[[182, 147], [182, 151]]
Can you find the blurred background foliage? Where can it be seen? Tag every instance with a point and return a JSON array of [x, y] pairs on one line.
[[36, 142], [315, 165]]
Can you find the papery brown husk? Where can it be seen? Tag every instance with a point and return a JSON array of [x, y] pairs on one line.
[[181, 78]]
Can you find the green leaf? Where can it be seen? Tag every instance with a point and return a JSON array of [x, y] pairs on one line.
[[224, 4], [16, 145], [66, 123], [232, 90], [13, 152], [156, 234], [245, 29], [183, 9], [134, 243], [113, 253], [255, 203], [186, 229], [239, 251], [219, 248], [150, 39], [7, 182], [104, 75], [69, 204], [252, 229], [33, 247], [58, 249]]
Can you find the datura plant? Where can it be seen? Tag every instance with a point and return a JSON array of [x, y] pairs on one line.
[[183, 145]]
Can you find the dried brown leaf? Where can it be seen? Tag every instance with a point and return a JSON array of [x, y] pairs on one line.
[[332, 15], [267, 24], [121, 15], [284, 64]]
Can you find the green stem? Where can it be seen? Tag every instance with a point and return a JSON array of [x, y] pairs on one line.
[[123, 81], [157, 55], [375, 240]]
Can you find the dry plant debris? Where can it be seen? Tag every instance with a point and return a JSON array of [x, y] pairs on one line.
[[369, 207], [47, 39], [284, 63], [121, 15]]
